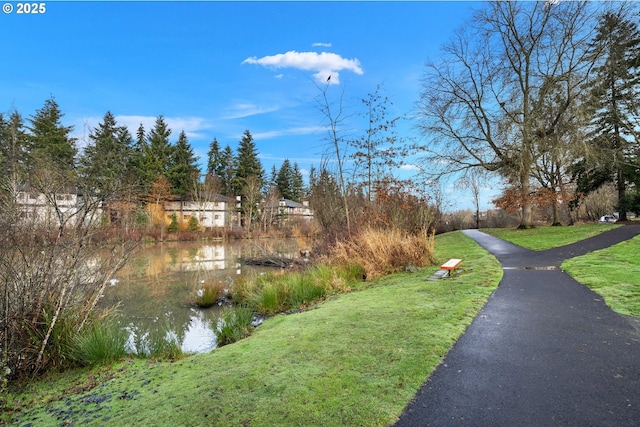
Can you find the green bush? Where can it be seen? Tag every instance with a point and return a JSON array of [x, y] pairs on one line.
[[193, 225], [234, 324], [165, 346], [270, 299], [304, 290], [208, 295], [5, 373], [99, 342], [173, 226], [59, 351], [141, 219], [278, 292]]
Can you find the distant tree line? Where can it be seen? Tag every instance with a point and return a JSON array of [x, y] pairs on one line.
[[115, 166], [126, 172]]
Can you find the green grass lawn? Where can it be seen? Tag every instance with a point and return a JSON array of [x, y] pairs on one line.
[[613, 273], [542, 238], [356, 359]]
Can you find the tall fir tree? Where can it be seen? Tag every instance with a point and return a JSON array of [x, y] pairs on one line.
[[137, 164], [50, 141], [614, 106], [159, 149], [13, 152], [215, 166], [284, 180], [297, 185], [104, 163], [273, 177], [249, 178], [183, 172], [247, 163], [228, 172]]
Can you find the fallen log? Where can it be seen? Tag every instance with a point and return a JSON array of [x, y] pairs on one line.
[[273, 261]]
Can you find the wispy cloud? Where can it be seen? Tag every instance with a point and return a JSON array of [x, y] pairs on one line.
[[320, 44], [247, 109], [325, 64], [410, 167], [302, 130]]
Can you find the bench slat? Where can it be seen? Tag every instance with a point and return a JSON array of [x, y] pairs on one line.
[[452, 264]]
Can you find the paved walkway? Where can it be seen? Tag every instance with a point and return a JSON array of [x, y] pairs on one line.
[[545, 350]]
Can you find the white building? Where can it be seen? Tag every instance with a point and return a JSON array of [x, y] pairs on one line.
[[287, 210], [66, 206], [209, 213]]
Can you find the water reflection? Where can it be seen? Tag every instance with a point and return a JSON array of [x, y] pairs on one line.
[[156, 289]]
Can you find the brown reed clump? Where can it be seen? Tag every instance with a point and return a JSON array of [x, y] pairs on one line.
[[383, 251]]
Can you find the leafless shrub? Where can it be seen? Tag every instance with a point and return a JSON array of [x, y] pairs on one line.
[[56, 259]]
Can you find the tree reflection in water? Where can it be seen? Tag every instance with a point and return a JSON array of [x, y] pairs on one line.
[[156, 290]]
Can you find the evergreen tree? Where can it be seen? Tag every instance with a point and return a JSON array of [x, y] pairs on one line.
[[249, 178], [215, 166], [228, 171], [613, 90], [273, 177], [183, 170], [13, 152], [49, 140], [137, 164], [247, 163], [104, 162], [297, 184], [158, 154], [284, 180]]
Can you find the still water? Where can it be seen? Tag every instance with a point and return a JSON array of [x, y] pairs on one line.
[[156, 290]]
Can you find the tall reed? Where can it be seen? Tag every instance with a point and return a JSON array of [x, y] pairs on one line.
[[383, 251]]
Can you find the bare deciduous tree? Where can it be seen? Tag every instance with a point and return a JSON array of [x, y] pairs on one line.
[[482, 103], [336, 116]]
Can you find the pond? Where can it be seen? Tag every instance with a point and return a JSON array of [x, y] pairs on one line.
[[156, 290]]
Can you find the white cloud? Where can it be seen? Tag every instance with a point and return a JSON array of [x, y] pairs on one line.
[[247, 109], [303, 130], [320, 44], [325, 64], [410, 167]]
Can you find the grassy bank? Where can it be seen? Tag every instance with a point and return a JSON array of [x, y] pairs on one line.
[[541, 238], [355, 359], [613, 273]]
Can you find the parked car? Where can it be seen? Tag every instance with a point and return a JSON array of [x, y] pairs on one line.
[[607, 219]]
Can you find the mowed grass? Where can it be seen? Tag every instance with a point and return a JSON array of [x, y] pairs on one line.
[[356, 359], [613, 273], [541, 238]]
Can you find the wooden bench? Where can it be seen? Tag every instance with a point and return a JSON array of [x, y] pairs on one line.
[[450, 265]]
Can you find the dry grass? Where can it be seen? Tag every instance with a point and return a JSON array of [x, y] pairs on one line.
[[383, 251]]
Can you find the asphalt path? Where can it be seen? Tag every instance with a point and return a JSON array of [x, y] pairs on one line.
[[544, 351]]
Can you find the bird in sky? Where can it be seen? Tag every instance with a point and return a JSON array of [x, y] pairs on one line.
[[329, 78]]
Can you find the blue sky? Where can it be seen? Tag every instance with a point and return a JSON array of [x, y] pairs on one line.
[[216, 69]]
